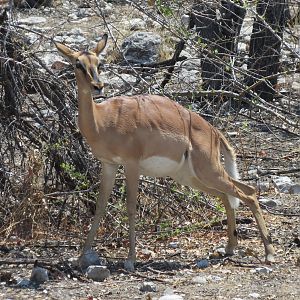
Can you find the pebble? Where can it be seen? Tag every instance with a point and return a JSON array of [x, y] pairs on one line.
[[282, 183], [89, 258], [214, 278], [137, 24], [199, 280], [97, 273], [254, 295], [174, 245], [148, 286], [262, 270], [23, 283], [39, 275], [294, 189], [185, 20], [269, 202], [32, 20], [202, 264], [171, 297]]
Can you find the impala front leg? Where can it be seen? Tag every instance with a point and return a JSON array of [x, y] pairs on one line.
[[106, 185], [132, 178]]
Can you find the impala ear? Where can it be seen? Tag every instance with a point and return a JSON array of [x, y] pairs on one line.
[[65, 51], [101, 45]]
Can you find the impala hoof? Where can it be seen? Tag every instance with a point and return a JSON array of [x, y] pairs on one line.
[[129, 265]]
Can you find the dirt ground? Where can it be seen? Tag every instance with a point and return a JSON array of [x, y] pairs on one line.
[[173, 269]]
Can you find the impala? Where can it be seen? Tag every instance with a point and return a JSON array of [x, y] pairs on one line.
[[153, 135]]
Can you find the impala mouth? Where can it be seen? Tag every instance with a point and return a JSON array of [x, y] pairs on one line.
[[98, 89]]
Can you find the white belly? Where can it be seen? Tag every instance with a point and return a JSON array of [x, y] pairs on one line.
[[158, 166]]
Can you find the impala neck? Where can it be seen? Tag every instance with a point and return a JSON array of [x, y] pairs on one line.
[[86, 120]]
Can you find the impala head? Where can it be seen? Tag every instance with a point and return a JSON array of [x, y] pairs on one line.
[[86, 62]]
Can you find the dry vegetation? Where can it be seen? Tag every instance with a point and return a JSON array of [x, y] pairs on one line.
[[48, 177]]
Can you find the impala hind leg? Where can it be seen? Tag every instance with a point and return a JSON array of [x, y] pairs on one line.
[[230, 213], [132, 181], [247, 194], [106, 185]]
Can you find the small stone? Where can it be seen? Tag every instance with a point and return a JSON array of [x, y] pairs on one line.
[[269, 202], [169, 291], [39, 275], [262, 270], [73, 261], [214, 278], [32, 20], [185, 20], [23, 283], [294, 189], [142, 47], [282, 183], [254, 295], [148, 286], [221, 251], [174, 245], [263, 186], [202, 264], [199, 280], [137, 24], [97, 273], [90, 258], [171, 297]]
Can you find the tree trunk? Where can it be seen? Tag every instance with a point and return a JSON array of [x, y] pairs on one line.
[[265, 45], [218, 25]]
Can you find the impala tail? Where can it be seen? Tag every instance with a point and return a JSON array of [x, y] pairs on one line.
[[230, 167]]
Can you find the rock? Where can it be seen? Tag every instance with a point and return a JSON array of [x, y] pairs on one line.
[[90, 258], [171, 297], [199, 280], [24, 283], [263, 186], [221, 251], [141, 48], [84, 12], [129, 265], [188, 77], [185, 20], [32, 20], [203, 263], [123, 80], [74, 262], [262, 270], [294, 189], [269, 202], [137, 24], [254, 295], [173, 245], [190, 64], [214, 278], [97, 273], [169, 291], [148, 286], [51, 58], [39, 275], [108, 10], [282, 183]]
